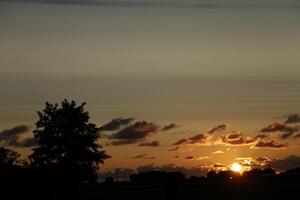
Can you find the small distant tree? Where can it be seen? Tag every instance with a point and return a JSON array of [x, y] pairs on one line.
[[8, 157], [67, 140]]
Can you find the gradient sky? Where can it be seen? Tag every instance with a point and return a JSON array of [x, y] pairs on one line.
[[193, 66]]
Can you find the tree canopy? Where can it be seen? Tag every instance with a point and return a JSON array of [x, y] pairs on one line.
[[67, 140], [8, 157]]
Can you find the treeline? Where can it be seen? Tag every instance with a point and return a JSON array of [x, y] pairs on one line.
[[66, 152]]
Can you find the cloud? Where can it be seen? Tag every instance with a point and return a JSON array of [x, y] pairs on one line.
[[169, 127], [297, 135], [189, 157], [27, 142], [236, 139], [179, 4], [17, 130], [134, 133], [11, 137], [202, 158], [179, 142], [202, 138], [154, 143], [276, 126], [292, 118], [221, 127], [261, 136], [270, 144], [234, 135], [197, 139], [116, 124], [246, 161], [287, 131], [285, 163], [218, 152], [174, 149], [177, 156], [261, 161], [143, 156], [218, 167]]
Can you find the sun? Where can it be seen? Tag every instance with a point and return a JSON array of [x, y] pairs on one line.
[[236, 167]]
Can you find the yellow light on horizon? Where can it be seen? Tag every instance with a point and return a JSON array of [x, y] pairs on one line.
[[235, 167]]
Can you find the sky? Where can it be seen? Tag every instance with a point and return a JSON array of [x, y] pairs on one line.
[[176, 62]]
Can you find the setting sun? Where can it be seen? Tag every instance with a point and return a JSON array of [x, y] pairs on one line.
[[236, 167]]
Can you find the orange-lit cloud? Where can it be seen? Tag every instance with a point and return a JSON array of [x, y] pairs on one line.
[[169, 127], [174, 149], [218, 152], [154, 143], [143, 156], [273, 144], [236, 139]]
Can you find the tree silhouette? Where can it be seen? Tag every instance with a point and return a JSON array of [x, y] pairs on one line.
[[8, 157], [67, 140]]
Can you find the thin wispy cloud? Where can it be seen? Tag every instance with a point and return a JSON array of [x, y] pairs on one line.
[[201, 4]]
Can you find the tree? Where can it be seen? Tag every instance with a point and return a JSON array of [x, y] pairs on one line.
[[8, 157], [67, 140]]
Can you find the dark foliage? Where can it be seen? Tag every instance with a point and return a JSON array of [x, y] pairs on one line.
[[67, 141], [8, 157]]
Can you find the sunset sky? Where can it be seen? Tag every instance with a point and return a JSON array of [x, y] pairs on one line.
[[177, 65]]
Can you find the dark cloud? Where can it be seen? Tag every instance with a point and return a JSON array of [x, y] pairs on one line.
[[169, 127], [286, 135], [121, 142], [116, 124], [197, 139], [134, 133], [286, 130], [262, 161], [202, 138], [177, 156], [27, 142], [292, 118], [297, 135], [285, 163], [189, 157], [219, 165], [11, 137], [154, 143], [17, 130], [143, 156], [179, 142], [276, 126], [270, 144], [261, 136], [234, 135], [174, 149], [221, 127], [236, 139]]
